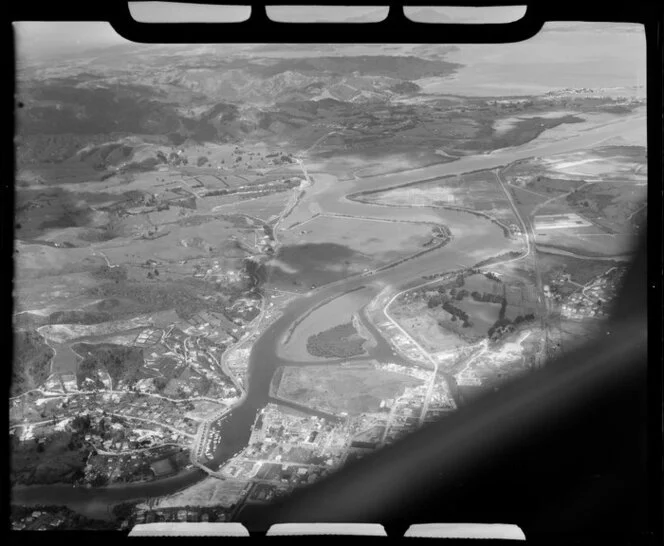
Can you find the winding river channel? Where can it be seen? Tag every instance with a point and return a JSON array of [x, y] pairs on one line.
[[473, 239]]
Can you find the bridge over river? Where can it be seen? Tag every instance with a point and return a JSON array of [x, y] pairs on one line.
[[474, 238]]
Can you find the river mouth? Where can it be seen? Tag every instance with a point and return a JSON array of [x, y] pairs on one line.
[[474, 238], [311, 263], [97, 503]]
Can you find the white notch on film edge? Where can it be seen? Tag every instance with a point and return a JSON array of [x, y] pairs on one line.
[[222, 529], [466, 530], [358, 529]]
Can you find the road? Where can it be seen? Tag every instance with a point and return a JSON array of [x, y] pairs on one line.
[[589, 284], [226, 370], [333, 199], [134, 451], [637, 211], [47, 394], [108, 263], [472, 358], [422, 350], [320, 140], [529, 239], [543, 302], [152, 421], [201, 438]]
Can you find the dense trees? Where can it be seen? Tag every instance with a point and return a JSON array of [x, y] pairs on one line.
[[492, 298], [526, 318], [503, 308], [31, 361], [435, 301], [457, 313], [122, 363], [461, 294], [70, 520], [342, 341], [504, 325]]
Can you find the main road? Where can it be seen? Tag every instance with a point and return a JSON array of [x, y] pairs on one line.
[[474, 238]]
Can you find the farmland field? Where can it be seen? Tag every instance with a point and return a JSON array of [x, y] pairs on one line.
[[238, 246], [586, 244], [336, 388], [545, 222], [482, 284], [476, 191], [264, 208], [423, 325], [580, 270]]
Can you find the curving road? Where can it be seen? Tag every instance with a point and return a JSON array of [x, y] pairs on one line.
[[474, 238]]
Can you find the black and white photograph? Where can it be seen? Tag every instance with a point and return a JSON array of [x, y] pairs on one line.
[[240, 268]]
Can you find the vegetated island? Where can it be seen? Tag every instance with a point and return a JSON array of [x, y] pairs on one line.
[[341, 341]]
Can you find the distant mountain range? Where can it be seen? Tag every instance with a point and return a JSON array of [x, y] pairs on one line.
[[206, 97]]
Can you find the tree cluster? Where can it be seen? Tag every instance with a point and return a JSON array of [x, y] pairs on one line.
[[504, 325], [457, 314], [486, 297]]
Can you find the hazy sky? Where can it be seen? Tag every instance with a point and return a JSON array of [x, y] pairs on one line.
[[463, 14], [562, 55], [35, 40], [173, 12], [42, 40]]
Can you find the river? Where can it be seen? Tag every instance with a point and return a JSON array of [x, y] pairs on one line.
[[474, 238]]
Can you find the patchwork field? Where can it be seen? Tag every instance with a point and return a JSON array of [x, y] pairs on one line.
[[463, 310], [546, 222], [592, 203]]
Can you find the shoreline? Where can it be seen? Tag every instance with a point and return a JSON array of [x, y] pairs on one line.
[[244, 401]]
